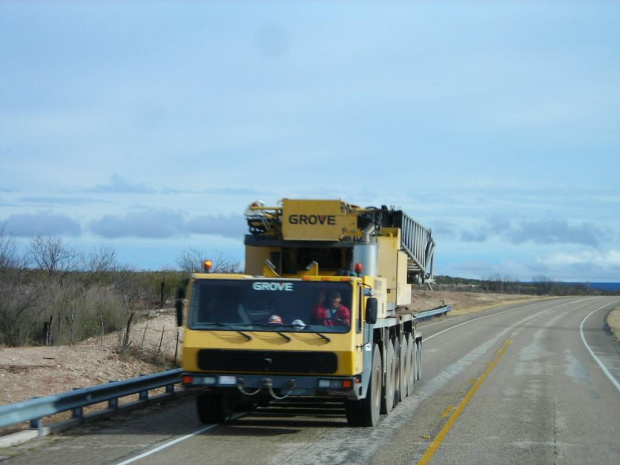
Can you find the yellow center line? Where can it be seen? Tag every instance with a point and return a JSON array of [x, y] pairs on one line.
[[434, 446], [447, 411]]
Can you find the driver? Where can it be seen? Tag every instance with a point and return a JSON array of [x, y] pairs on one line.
[[331, 312]]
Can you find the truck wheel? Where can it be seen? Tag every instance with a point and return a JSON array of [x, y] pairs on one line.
[[245, 404], [403, 369], [419, 360], [398, 372], [387, 394], [415, 361], [365, 412], [213, 408], [410, 364]]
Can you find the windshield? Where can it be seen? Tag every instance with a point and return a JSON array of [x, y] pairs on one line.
[[271, 305]]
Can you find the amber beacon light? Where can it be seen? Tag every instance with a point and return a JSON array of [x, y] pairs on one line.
[[207, 265]]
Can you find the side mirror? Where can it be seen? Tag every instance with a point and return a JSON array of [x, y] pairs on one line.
[[372, 311]]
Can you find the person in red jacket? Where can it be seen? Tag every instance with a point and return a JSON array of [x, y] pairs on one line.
[[331, 312]]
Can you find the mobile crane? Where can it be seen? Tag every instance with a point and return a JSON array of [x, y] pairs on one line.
[[322, 310]]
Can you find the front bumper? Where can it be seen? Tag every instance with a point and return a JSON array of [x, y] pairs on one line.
[[276, 386]]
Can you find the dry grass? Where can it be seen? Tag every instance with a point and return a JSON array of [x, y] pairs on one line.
[[464, 302], [613, 320]]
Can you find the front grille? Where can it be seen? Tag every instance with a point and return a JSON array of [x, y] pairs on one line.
[[267, 361]]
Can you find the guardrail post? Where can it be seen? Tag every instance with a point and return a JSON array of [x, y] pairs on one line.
[[78, 412], [113, 403], [170, 389], [143, 395], [37, 423]]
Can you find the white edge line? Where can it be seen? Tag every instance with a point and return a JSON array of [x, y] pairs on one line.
[[498, 313], [583, 338], [176, 441]]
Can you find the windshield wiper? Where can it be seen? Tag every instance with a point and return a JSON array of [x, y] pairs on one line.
[[283, 335], [274, 327], [223, 325], [275, 330], [307, 328], [321, 335]]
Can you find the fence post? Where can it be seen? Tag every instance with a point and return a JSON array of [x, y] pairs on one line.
[[163, 285]]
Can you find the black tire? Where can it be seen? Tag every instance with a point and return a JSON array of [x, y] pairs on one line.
[[415, 361], [419, 360], [213, 408], [387, 393], [411, 364], [398, 372], [245, 404], [366, 412], [403, 369]]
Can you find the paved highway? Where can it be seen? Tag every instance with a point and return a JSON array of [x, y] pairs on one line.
[[533, 383]]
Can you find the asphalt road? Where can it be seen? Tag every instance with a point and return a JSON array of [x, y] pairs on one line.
[[530, 383]]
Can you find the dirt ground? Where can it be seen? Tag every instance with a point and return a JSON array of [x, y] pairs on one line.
[[27, 372]]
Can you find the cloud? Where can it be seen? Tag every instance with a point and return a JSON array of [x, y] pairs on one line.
[[228, 226], [154, 224], [546, 231], [444, 229], [119, 185], [555, 232], [52, 201], [474, 236], [244, 191], [42, 224], [232, 191], [158, 224], [607, 259], [498, 224], [590, 265]]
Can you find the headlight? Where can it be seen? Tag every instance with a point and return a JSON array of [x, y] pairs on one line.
[[335, 384], [227, 380]]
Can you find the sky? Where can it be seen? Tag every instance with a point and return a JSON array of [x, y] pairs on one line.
[[150, 126]]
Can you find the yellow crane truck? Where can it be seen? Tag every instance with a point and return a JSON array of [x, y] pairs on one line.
[[321, 311]]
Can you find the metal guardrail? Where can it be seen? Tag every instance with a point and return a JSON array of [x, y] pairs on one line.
[[421, 316], [35, 409]]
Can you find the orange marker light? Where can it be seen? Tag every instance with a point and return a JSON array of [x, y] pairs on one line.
[[207, 265], [358, 268], [347, 383]]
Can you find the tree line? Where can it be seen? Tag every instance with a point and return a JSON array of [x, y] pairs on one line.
[[497, 283], [53, 294]]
